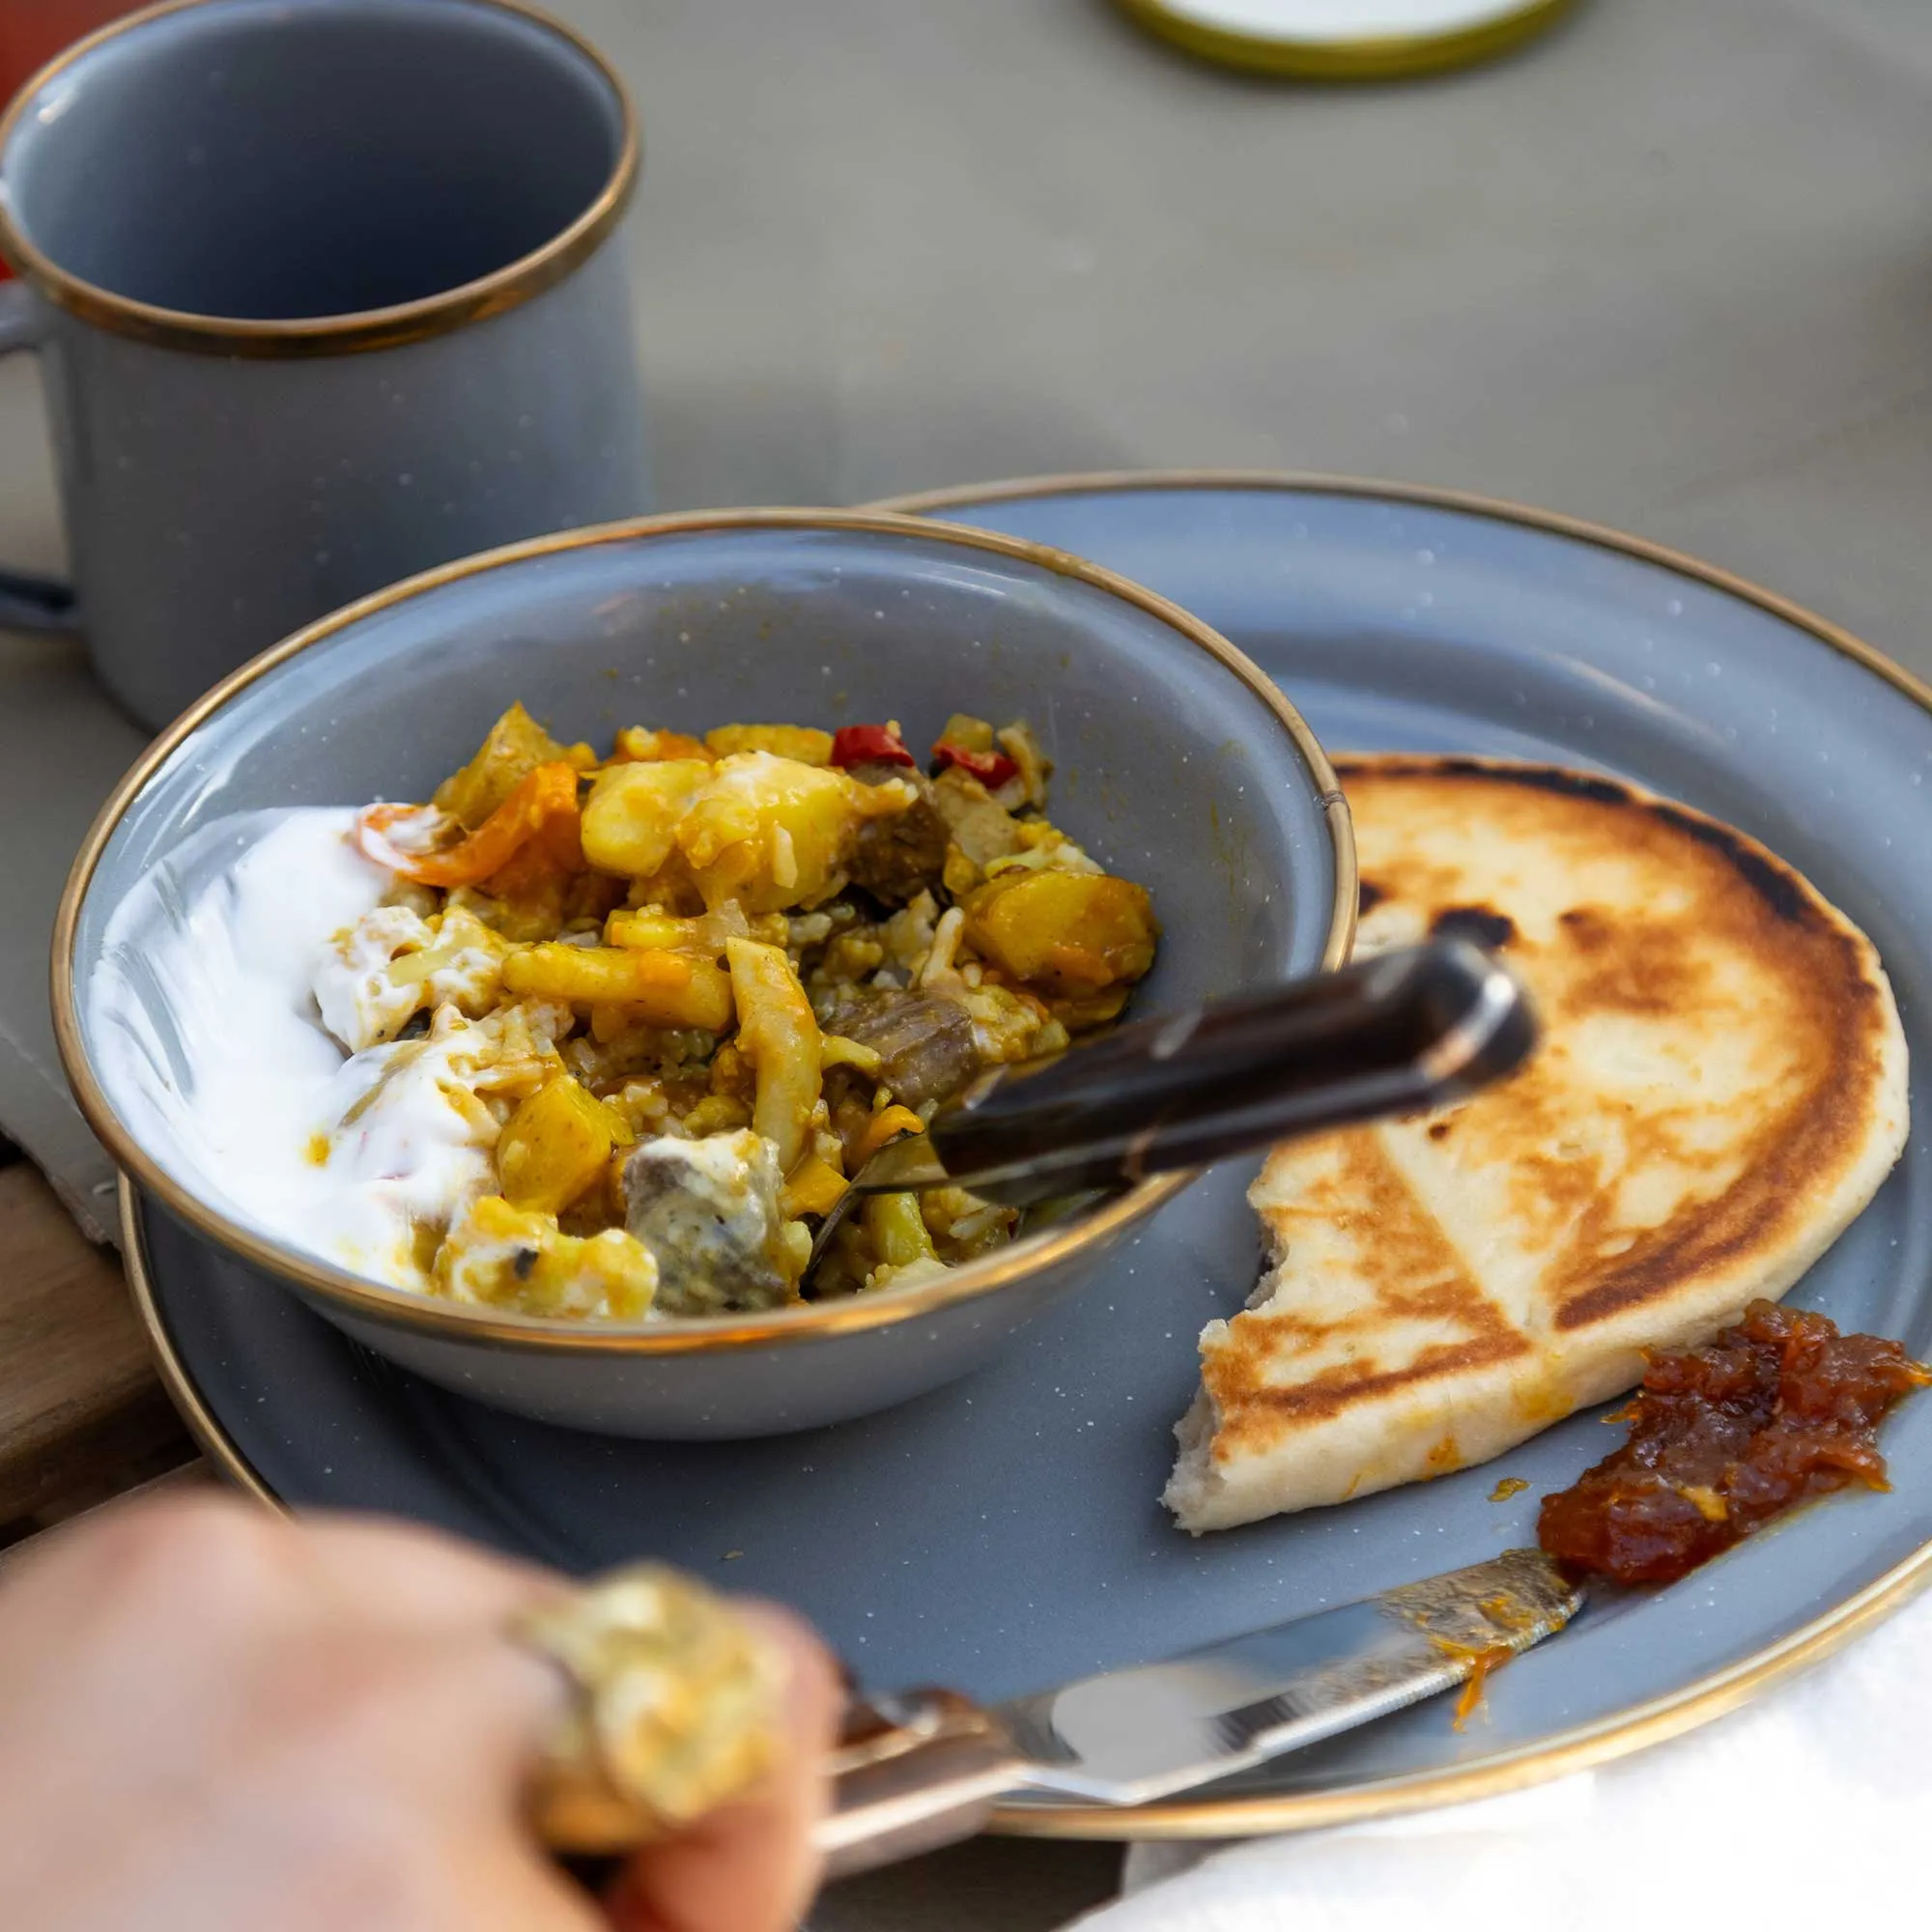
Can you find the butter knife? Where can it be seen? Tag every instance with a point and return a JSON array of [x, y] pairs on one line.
[[925, 1768]]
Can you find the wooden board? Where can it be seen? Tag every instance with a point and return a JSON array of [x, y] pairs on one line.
[[81, 1414]]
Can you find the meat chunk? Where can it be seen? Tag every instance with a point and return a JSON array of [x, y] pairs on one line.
[[708, 1209], [925, 1046], [979, 824], [897, 859]]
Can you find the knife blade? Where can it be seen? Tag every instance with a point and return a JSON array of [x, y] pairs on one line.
[[925, 1768]]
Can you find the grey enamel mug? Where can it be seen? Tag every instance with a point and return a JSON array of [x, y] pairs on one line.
[[324, 296]]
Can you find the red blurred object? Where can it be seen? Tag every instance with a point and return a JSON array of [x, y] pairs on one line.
[[991, 768], [869, 745], [32, 32]]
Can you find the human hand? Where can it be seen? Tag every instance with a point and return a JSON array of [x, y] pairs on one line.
[[212, 1718]]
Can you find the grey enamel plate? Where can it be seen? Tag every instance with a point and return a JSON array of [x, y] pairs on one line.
[[1003, 1534]]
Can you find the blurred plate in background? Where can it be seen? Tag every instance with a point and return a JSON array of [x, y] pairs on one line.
[[1346, 40]]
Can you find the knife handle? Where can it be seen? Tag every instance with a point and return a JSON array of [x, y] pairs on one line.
[[1399, 1033], [912, 1773], [909, 1772]]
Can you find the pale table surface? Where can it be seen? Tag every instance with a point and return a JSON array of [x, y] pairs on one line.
[[1671, 270]]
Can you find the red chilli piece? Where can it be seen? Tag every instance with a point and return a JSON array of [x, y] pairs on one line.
[[991, 768], [869, 745]]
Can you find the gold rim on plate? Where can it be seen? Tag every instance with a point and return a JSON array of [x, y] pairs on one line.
[[1386, 57], [168, 1364], [1662, 1718], [494, 294], [404, 1308], [1654, 1723]]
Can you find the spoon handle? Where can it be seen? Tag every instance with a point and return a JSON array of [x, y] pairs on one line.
[[1400, 1033]]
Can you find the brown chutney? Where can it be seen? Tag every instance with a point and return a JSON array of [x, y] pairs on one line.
[[1722, 1438]]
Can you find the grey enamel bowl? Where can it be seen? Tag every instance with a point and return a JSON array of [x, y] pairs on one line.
[[1178, 764]]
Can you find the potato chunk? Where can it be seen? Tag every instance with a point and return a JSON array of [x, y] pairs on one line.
[[805, 743], [1067, 934], [632, 816], [666, 989], [779, 1034], [772, 833], [647, 747], [556, 1146], [516, 1258]]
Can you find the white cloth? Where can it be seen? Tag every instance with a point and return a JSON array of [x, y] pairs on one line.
[[1809, 1806]]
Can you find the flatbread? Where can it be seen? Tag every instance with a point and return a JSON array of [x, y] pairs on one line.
[[1721, 1090]]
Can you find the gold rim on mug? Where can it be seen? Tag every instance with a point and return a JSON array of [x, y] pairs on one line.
[[400, 1307], [502, 290], [1387, 57], [1655, 1723]]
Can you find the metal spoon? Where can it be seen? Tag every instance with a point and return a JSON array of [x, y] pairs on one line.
[[1400, 1033]]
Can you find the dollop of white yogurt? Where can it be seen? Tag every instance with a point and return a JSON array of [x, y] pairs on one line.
[[206, 1033]]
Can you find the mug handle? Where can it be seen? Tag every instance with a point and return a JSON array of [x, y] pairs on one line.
[[30, 603]]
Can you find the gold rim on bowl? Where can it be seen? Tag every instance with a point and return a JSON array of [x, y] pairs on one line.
[[400, 1307], [494, 294]]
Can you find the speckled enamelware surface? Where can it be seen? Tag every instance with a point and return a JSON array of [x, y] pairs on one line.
[[1176, 763], [1003, 1534]]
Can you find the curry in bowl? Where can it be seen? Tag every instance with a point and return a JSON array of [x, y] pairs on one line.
[[619, 1027]]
